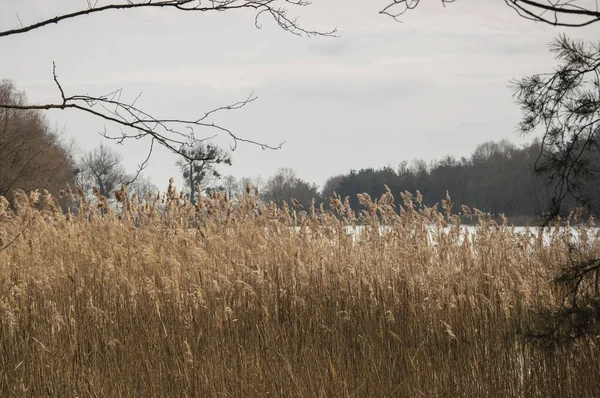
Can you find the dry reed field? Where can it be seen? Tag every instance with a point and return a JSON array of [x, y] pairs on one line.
[[167, 299]]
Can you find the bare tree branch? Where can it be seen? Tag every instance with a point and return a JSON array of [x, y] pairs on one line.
[[569, 13], [399, 7], [270, 7], [174, 134]]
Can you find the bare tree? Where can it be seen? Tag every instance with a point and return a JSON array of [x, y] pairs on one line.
[[286, 186], [199, 165], [141, 187], [136, 123], [101, 168], [280, 187], [573, 13], [230, 186], [31, 154], [246, 185]]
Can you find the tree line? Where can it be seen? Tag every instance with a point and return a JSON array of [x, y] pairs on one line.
[[497, 178]]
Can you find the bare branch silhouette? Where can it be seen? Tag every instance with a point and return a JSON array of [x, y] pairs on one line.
[[174, 134], [269, 7], [569, 13]]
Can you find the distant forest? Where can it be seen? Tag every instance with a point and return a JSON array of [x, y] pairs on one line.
[[497, 178]]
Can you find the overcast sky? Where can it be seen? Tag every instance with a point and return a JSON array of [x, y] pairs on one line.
[[381, 93]]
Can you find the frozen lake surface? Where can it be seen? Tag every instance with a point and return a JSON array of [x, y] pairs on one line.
[[471, 231]]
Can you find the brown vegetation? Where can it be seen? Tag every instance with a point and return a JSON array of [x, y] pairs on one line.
[[31, 154], [224, 300]]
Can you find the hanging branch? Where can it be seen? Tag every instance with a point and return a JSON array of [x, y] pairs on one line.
[[399, 7], [174, 134], [569, 13], [269, 7]]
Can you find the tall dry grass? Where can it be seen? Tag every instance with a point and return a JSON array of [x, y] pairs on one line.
[[254, 301]]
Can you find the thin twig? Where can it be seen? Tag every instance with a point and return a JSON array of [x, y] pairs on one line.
[[17, 236]]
